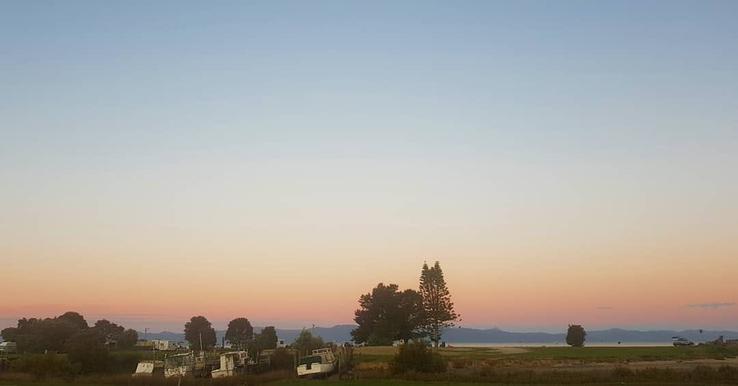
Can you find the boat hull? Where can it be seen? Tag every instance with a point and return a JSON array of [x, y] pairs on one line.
[[315, 369]]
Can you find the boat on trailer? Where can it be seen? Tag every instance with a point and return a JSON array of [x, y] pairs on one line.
[[320, 363], [181, 365], [148, 368], [231, 363]]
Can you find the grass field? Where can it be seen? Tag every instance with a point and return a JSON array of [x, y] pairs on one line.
[[582, 354], [609, 354]]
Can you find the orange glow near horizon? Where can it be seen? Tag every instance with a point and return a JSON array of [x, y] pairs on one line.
[[565, 161], [544, 294]]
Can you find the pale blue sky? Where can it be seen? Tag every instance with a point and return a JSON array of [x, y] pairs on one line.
[[542, 132], [404, 78]]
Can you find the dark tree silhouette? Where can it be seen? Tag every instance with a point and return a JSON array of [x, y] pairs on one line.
[[9, 334], [305, 343], [267, 338], [53, 334], [438, 309], [575, 336], [200, 333], [264, 340], [87, 349], [240, 332], [386, 315], [112, 332], [50, 334], [73, 318]]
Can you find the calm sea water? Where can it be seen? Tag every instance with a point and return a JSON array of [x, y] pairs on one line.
[[563, 344]]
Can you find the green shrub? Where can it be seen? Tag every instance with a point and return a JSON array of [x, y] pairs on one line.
[[575, 335], [416, 356], [124, 361], [282, 360], [43, 365], [87, 350]]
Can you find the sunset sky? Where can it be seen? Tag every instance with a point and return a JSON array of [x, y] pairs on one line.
[[568, 161]]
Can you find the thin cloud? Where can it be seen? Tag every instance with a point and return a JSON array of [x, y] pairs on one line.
[[712, 306]]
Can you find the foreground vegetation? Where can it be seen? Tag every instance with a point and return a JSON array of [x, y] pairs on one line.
[[697, 376], [476, 366]]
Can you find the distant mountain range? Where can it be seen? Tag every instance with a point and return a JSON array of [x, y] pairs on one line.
[[342, 333]]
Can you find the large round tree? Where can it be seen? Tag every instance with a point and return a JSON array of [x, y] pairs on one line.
[[575, 335], [387, 314], [200, 333], [240, 332]]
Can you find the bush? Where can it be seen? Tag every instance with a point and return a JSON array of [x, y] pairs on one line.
[[282, 360], [87, 349], [416, 356], [575, 336], [306, 343], [125, 361], [43, 365]]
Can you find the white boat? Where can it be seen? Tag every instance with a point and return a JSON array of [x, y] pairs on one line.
[[231, 363], [182, 365], [320, 363], [149, 368], [8, 347]]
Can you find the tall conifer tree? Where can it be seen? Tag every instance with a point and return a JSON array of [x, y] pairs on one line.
[[438, 308]]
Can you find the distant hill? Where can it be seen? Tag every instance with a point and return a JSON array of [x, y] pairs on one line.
[[342, 333], [494, 335]]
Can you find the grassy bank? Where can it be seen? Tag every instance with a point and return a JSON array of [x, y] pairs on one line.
[[621, 354], [378, 355]]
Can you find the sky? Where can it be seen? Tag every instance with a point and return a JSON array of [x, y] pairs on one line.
[[566, 162]]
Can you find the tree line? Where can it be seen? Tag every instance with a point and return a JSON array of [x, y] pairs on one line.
[[57, 334], [387, 314], [200, 334], [86, 346]]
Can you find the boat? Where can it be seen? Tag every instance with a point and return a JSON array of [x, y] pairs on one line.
[[231, 363], [178, 365], [8, 347], [181, 365], [149, 368], [320, 363], [678, 341]]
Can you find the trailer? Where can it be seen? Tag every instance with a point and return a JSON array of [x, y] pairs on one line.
[[231, 363]]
